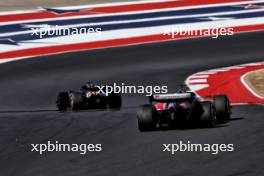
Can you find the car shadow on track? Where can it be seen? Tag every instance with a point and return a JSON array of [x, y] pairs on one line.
[[237, 118], [169, 128], [222, 125]]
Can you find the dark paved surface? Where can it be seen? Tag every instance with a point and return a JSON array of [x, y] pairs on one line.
[[28, 91]]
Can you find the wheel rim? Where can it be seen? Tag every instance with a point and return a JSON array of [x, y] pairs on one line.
[[71, 103]]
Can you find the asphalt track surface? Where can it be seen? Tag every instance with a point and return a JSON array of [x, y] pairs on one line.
[[28, 90]]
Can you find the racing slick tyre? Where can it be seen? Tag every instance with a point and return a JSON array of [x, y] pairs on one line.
[[115, 101], [208, 118], [63, 101], [222, 107], [146, 118], [102, 104], [75, 100]]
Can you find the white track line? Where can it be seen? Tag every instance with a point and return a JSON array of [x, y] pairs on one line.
[[197, 81], [87, 6], [28, 31], [124, 33], [129, 13]]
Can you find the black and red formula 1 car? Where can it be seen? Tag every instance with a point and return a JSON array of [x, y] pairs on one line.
[[183, 109], [90, 96]]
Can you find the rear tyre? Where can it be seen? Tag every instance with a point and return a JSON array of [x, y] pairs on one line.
[[75, 101], [146, 118], [222, 107], [115, 101], [103, 103], [208, 118], [63, 101]]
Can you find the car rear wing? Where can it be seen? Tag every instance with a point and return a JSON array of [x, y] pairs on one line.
[[170, 97]]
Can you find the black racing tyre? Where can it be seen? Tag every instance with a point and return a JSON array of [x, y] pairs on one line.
[[222, 108], [103, 103], [115, 101], [208, 118], [63, 101], [146, 118], [75, 100]]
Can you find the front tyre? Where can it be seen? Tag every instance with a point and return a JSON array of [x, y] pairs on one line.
[[146, 118], [75, 100]]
